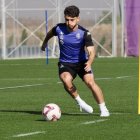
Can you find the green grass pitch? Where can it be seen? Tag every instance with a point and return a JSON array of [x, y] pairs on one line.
[[27, 85]]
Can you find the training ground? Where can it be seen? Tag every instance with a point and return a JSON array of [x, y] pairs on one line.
[[27, 85]]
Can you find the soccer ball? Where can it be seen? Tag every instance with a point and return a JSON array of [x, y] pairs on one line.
[[51, 112]]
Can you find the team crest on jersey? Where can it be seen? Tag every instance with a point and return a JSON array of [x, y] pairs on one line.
[[78, 36]]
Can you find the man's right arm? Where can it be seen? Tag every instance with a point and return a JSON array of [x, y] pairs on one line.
[[48, 36]]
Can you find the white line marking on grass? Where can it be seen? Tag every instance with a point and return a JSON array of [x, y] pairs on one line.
[[22, 79], [109, 78], [116, 113], [20, 64], [119, 113], [21, 86], [121, 77], [29, 134], [103, 78], [96, 121], [113, 113]]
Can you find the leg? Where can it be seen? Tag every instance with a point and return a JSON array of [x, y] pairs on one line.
[[67, 79], [97, 93]]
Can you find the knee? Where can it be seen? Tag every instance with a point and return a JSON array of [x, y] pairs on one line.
[[66, 79], [70, 89], [90, 83]]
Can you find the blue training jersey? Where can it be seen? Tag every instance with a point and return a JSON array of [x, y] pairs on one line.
[[72, 44]]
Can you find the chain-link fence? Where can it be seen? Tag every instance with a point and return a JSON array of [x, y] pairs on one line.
[[23, 26]]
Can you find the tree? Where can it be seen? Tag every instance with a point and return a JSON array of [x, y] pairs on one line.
[[23, 37], [108, 19]]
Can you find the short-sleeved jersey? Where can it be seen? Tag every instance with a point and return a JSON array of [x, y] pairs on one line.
[[72, 44]]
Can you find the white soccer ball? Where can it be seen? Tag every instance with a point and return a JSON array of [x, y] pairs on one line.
[[51, 112]]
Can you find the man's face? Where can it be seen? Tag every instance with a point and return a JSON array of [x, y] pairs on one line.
[[71, 22]]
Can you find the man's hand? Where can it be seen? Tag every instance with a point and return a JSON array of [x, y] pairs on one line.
[[43, 48], [87, 67], [48, 36]]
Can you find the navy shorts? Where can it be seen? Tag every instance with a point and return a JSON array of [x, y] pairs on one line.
[[73, 69]]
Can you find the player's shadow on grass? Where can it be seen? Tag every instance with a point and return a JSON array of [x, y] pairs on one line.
[[23, 111], [41, 119], [77, 114], [40, 113]]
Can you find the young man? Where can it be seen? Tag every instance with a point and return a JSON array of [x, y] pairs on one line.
[[73, 41]]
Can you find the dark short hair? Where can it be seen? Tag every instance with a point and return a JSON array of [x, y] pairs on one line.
[[72, 11]]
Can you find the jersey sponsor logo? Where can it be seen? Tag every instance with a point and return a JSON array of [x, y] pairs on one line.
[[61, 35], [78, 36]]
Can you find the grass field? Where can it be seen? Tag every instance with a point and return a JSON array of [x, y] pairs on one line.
[[27, 85]]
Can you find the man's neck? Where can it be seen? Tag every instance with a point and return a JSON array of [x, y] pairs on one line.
[[73, 29]]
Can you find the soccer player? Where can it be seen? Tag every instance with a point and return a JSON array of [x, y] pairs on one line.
[[77, 53]]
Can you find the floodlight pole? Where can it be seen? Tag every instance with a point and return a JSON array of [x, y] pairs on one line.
[[3, 9], [114, 31]]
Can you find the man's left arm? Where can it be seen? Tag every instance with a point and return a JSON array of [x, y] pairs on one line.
[[91, 56], [90, 50]]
